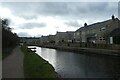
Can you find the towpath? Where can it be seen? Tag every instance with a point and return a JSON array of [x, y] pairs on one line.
[[12, 66]]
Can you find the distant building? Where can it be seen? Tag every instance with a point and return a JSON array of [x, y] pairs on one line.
[[29, 40], [70, 36], [44, 40], [64, 36], [97, 32], [106, 32], [51, 38]]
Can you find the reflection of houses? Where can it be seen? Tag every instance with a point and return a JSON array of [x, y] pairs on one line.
[[98, 32], [64, 36], [29, 40]]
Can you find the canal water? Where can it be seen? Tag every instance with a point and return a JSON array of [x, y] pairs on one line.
[[76, 65]]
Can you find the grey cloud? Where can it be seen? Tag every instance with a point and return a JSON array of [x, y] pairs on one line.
[[22, 9], [53, 9], [95, 6], [72, 11], [87, 11], [73, 23], [28, 16], [32, 25], [63, 9], [23, 34]]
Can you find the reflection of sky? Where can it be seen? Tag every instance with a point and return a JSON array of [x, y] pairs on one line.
[[45, 54], [59, 61]]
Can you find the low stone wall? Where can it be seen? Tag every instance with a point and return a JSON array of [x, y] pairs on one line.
[[88, 45]]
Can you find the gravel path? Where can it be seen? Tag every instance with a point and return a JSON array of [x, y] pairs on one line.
[[12, 66]]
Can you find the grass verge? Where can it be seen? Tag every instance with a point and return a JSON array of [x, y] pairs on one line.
[[37, 67]]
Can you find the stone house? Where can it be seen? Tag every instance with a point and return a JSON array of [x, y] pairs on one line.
[[70, 36], [77, 35], [47, 39], [51, 38], [44, 40], [97, 32], [64, 37]]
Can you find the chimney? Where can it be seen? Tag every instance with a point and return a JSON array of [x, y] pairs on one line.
[[113, 17], [85, 24]]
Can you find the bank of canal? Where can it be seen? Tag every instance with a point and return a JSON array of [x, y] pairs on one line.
[[89, 51], [73, 65], [37, 67]]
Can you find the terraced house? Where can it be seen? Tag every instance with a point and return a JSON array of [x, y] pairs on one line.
[[66, 37], [99, 33]]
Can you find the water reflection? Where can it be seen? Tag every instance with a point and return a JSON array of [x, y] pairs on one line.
[[72, 65]]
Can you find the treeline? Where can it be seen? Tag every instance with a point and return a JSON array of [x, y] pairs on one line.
[[9, 39]]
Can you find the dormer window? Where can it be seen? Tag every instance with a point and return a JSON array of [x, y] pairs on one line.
[[103, 28]]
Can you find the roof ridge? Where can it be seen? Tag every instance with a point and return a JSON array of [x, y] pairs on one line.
[[96, 23]]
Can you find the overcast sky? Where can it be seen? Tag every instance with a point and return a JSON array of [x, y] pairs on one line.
[[44, 18]]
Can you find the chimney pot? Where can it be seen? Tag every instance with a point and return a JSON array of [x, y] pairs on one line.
[[113, 17], [85, 24]]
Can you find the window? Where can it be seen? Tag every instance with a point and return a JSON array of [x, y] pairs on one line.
[[95, 35], [103, 28], [102, 38]]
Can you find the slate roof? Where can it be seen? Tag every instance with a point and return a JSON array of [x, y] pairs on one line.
[[97, 25]]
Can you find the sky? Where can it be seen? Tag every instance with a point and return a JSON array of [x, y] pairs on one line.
[[33, 19]]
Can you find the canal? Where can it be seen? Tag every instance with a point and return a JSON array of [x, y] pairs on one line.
[[76, 65]]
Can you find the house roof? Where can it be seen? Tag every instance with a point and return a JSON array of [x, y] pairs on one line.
[[67, 32], [80, 29], [96, 25]]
